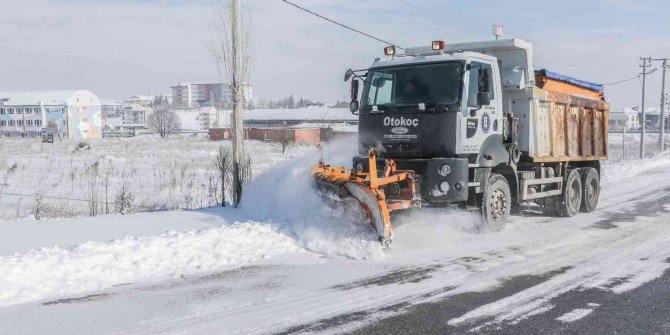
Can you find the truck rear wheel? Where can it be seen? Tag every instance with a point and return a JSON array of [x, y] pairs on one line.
[[590, 189], [496, 203], [570, 201]]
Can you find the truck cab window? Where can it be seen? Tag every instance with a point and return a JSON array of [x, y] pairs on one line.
[[381, 86], [473, 82], [403, 86]]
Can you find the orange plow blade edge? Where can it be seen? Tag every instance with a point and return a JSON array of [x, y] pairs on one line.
[[368, 188]]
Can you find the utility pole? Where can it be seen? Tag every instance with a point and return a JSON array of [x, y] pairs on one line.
[[238, 132], [623, 154], [643, 118], [661, 139], [661, 136]]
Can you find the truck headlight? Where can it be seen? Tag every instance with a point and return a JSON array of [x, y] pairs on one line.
[[444, 187], [444, 170]]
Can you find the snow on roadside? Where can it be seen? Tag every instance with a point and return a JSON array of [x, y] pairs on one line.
[[49, 272], [21, 236], [574, 315], [280, 214], [613, 171]]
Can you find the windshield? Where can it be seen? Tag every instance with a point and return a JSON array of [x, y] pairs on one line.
[[409, 85]]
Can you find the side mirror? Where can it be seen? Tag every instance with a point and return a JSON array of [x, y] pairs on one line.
[[484, 80], [484, 83], [348, 74], [354, 90], [483, 98], [353, 107]]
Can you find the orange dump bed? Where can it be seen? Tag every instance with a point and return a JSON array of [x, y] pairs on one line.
[[561, 84], [570, 121]]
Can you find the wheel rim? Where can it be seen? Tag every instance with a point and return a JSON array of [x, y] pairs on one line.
[[498, 205], [592, 191], [573, 195]]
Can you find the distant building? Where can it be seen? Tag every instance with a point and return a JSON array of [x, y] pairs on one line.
[[142, 100], [194, 95], [210, 117], [203, 118], [110, 107], [300, 125], [73, 114], [653, 118], [628, 117], [136, 115], [319, 117]]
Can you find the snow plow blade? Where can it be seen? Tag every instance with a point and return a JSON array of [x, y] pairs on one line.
[[369, 190]]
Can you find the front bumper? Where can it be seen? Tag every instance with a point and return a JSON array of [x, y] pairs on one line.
[[434, 187]]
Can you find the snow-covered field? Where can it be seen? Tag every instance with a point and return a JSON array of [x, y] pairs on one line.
[[283, 259], [61, 181]]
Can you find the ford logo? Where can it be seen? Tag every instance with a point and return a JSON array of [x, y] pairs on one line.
[[399, 130]]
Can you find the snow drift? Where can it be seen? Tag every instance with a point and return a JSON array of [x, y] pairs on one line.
[[280, 213]]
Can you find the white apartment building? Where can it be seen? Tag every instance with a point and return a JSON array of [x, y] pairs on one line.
[[210, 117], [193, 95], [136, 115], [142, 100], [632, 118], [74, 114]]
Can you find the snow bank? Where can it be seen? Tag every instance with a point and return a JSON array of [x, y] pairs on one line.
[[21, 236], [281, 213], [49, 272], [616, 170], [574, 315]]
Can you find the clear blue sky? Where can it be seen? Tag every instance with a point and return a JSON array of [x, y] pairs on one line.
[[122, 47]]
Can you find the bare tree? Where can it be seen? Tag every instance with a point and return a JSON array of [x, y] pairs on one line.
[[124, 198], [245, 172], [286, 139], [232, 55], [163, 120], [93, 195], [10, 171], [39, 205], [224, 162]]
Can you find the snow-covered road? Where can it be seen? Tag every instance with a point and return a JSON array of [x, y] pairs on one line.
[[285, 264]]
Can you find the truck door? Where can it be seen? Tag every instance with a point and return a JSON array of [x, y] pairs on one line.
[[480, 120]]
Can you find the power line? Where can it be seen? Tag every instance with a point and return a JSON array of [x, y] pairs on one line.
[[69, 199], [469, 19], [46, 197], [622, 81], [343, 25], [424, 19], [431, 26], [413, 22]]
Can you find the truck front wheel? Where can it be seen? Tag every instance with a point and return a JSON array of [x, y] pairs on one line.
[[590, 189], [571, 199], [496, 203]]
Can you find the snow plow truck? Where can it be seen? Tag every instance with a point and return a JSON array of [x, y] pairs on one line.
[[471, 125]]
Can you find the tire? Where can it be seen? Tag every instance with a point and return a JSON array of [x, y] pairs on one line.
[[590, 189], [496, 203], [569, 202]]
